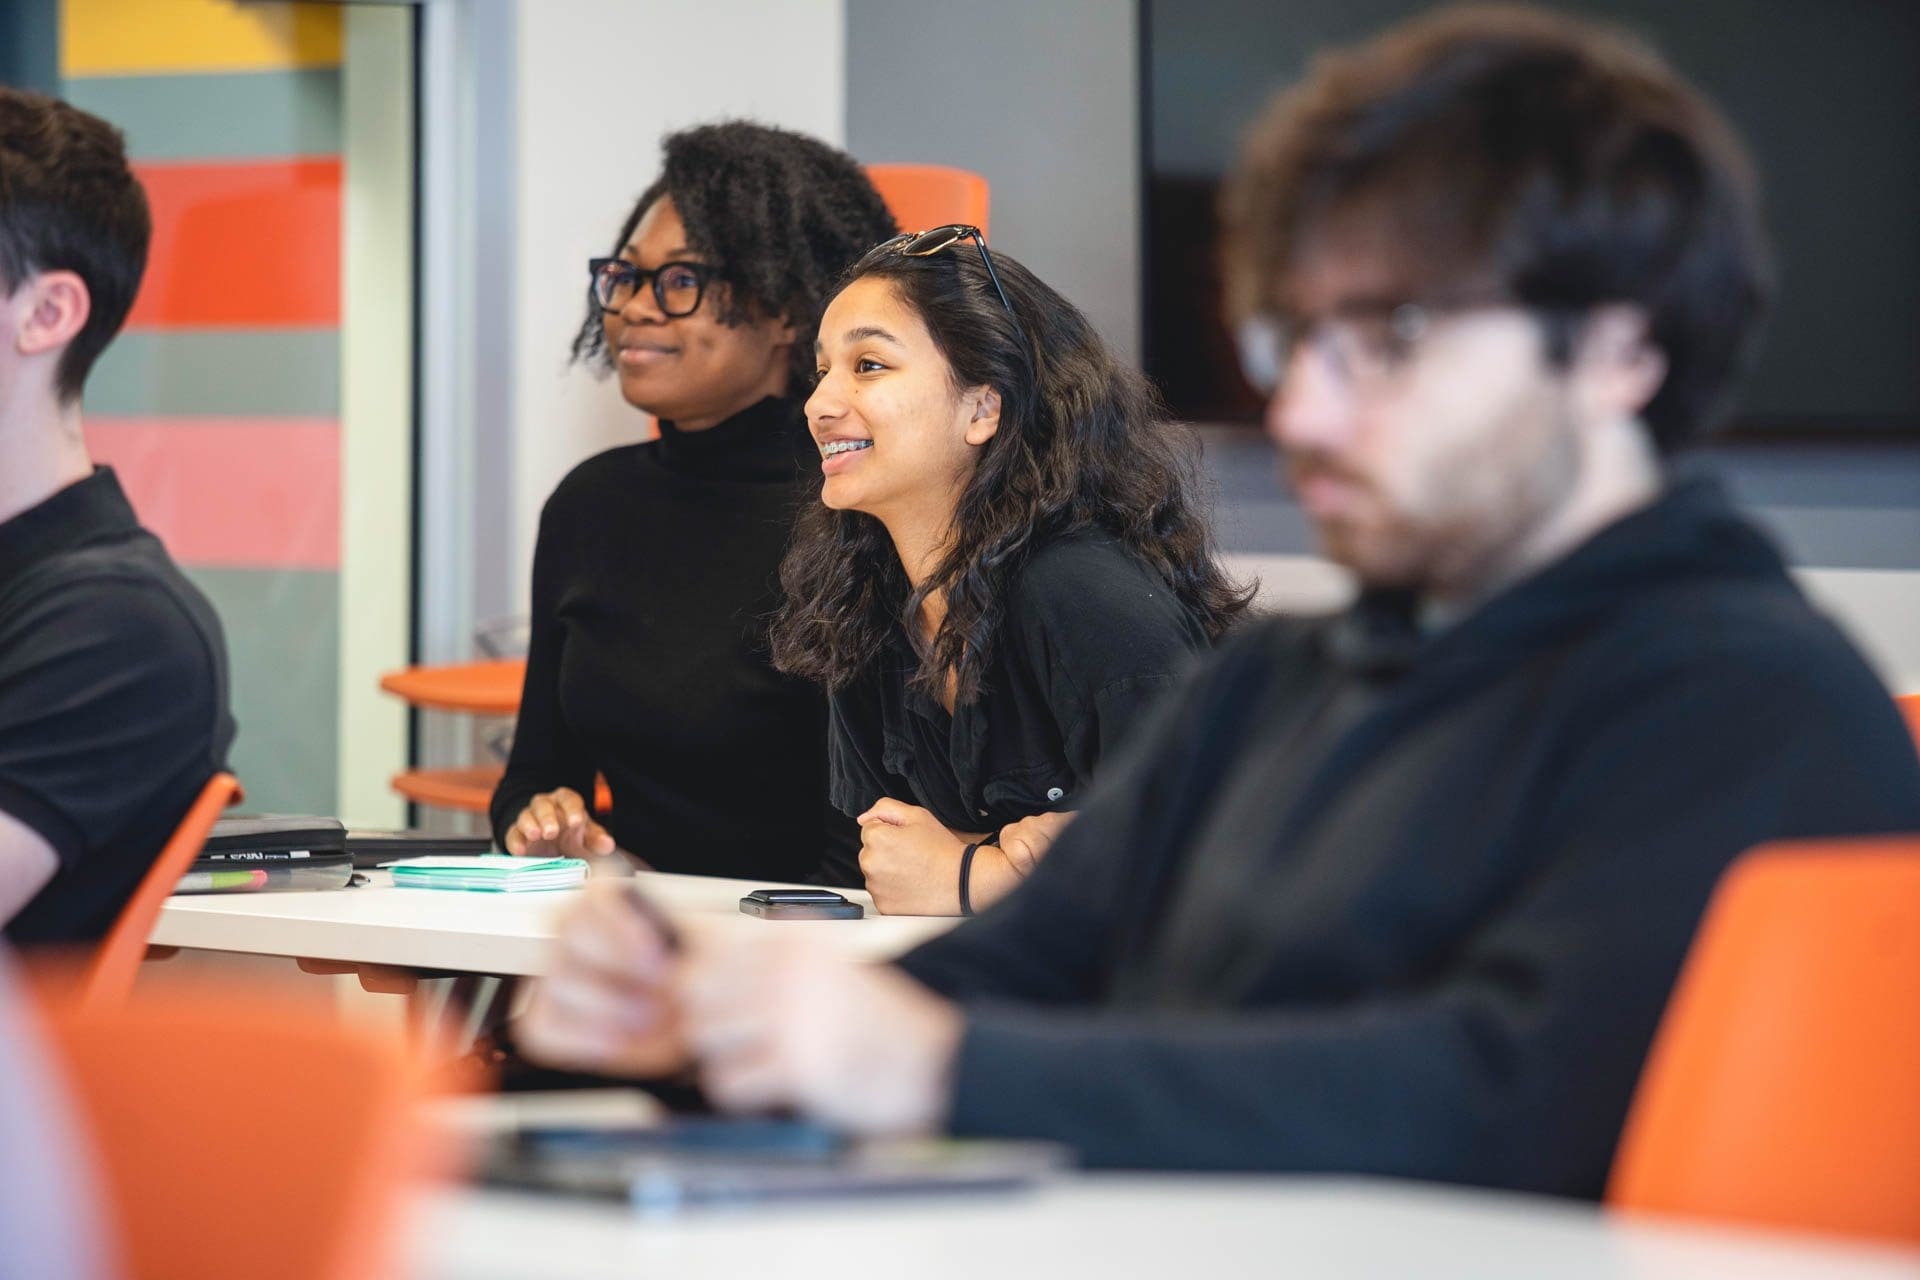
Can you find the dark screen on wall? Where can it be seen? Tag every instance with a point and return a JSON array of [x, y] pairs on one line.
[[1825, 92]]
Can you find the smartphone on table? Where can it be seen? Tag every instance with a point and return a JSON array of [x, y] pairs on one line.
[[800, 904]]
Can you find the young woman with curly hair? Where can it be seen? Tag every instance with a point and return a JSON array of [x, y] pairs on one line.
[[656, 566], [1010, 558]]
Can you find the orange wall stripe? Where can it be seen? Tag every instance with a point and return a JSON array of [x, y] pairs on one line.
[[254, 243], [231, 492]]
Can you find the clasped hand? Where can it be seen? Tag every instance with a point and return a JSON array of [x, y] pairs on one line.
[[912, 862]]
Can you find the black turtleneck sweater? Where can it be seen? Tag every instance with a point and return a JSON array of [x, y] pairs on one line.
[[1366, 900], [654, 577]]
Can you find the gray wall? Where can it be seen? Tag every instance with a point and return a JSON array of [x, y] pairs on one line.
[[1830, 507], [1042, 99], [1845, 517]]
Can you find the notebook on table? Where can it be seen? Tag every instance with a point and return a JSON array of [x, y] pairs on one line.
[[371, 848], [490, 873]]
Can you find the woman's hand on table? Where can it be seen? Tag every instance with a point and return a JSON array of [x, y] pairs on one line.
[[608, 1004], [557, 824], [779, 1021], [910, 860]]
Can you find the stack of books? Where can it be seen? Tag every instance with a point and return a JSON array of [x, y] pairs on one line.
[[493, 873]]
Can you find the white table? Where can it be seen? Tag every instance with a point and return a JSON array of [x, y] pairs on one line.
[[502, 933], [1114, 1226]]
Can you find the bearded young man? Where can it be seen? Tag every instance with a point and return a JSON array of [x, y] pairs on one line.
[[1401, 890]]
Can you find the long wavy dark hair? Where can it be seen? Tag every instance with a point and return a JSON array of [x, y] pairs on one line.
[[779, 213], [1083, 443]]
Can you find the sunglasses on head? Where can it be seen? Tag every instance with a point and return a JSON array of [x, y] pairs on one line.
[[926, 243]]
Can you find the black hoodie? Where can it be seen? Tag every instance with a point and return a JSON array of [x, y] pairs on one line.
[[1361, 899]]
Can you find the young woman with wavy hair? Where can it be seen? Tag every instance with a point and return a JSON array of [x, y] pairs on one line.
[[1010, 558]]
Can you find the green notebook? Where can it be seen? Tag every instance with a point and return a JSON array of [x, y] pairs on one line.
[[491, 873]]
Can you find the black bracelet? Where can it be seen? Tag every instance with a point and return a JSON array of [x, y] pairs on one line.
[[966, 878]]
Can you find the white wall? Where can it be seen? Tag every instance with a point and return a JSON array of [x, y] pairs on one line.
[[1043, 99], [595, 88], [376, 383]]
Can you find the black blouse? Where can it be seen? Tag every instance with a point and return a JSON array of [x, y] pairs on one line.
[[1090, 637], [654, 576]]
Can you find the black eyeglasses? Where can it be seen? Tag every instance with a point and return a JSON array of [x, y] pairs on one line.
[[1366, 342], [931, 242], [677, 286]]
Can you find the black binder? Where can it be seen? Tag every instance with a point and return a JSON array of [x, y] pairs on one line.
[[269, 853]]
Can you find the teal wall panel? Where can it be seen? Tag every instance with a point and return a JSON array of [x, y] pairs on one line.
[[236, 116], [283, 643], [197, 373], [30, 44]]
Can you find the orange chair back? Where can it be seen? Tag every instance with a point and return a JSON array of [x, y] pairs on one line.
[[931, 195], [1910, 708], [1784, 1086], [238, 1134], [118, 960]]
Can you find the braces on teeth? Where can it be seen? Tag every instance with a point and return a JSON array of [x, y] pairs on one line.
[[844, 446]]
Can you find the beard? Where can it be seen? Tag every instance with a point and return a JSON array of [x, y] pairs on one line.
[[1447, 531], [1357, 527]]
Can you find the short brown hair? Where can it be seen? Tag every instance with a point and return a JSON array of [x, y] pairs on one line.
[[69, 202], [1547, 159]]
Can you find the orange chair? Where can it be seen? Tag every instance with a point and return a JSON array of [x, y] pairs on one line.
[[476, 688], [931, 195], [110, 976], [1910, 708], [1782, 1087], [489, 688], [470, 790], [479, 688], [241, 1136], [464, 790]]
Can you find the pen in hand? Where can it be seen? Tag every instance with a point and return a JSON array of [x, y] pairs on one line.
[[650, 911]]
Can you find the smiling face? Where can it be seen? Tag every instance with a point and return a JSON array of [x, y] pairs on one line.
[[898, 440], [692, 370]]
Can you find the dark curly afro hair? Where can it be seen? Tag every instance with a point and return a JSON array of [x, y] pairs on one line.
[[780, 215]]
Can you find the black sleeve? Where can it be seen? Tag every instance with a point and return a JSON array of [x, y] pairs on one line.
[[545, 752], [840, 857], [856, 775], [1514, 1065], [856, 778], [107, 692], [1105, 639], [1053, 942]]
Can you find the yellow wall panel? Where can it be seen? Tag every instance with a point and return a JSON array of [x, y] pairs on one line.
[[156, 37]]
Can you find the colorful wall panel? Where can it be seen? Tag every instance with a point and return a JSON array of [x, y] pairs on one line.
[[220, 404]]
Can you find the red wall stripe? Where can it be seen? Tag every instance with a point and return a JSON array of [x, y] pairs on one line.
[[231, 492], [253, 243]]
